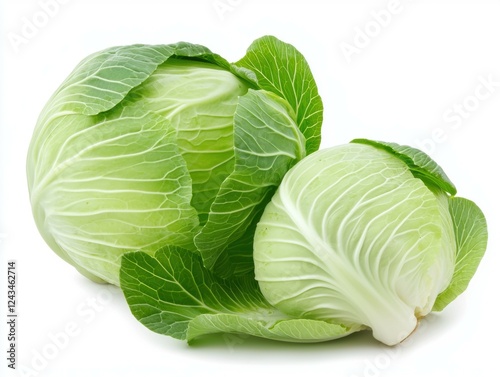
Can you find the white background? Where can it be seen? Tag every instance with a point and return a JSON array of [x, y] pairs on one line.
[[428, 58]]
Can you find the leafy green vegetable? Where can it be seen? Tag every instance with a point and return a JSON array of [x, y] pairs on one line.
[[363, 234], [145, 146], [196, 185]]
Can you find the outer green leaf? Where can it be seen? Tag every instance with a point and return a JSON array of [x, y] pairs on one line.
[[103, 79], [267, 143], [278, 67], [173, 294], [471, 235], [420, 164], [167, 291], [291, 330]]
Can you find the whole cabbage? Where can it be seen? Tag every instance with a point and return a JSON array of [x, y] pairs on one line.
[[145, 146]]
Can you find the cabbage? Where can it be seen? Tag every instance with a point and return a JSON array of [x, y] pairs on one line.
[[352, 236], [196, 186], [367, 235], [146, 146]]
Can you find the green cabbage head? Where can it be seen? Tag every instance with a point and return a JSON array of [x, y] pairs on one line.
[[367, 234], [145, 146]]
